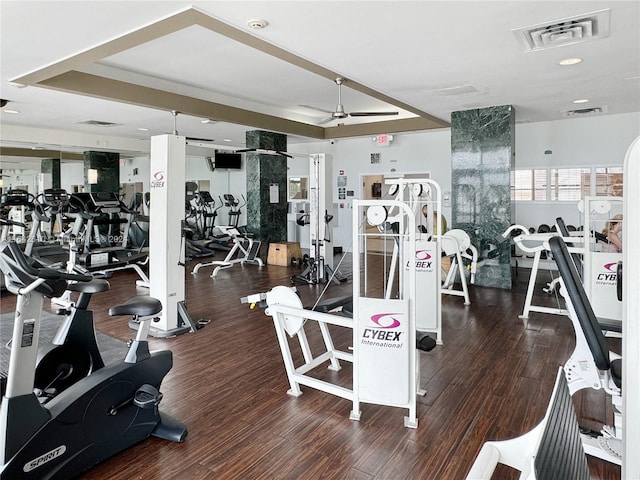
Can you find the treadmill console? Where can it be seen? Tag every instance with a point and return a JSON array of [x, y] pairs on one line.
[[55, 197], [105, 199]]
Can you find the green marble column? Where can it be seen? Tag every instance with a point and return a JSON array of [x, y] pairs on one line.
[[52, 166], [482, 156], [108, 166], [266, 220]]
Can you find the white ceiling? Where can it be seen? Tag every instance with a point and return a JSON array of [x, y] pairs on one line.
[[413, 52]]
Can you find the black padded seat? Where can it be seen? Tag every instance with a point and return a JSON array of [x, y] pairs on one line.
[[140, 306], [94, 286], [332, 303], [592, 331], [347, 309], [616, 372]]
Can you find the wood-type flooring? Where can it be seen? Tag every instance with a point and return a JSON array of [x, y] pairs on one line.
[[490, 380]]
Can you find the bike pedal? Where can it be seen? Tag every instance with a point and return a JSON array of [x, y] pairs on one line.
[[147, 396]]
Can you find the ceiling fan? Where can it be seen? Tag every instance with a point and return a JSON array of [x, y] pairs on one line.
[[339, 111]]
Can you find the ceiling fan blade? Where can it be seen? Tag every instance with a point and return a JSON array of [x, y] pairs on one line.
[[196, 139], [265, 151], [371, 114], [326, 120], [318, 109]]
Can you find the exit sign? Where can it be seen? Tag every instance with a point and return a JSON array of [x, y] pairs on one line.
[[383, 140]]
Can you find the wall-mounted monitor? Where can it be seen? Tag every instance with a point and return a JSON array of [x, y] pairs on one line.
[[228, 160]]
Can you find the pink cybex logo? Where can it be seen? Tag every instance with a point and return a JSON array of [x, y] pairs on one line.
[[385, 320], [383, 335], [612, 267], [157, 180], [422, 255]]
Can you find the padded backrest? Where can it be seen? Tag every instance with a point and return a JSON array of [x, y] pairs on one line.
[[577, 260], [560, 453], [578, 298]]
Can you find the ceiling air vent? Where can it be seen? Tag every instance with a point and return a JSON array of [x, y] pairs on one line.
[[98, 123], [567, 31], [457, 90], [583, 112]]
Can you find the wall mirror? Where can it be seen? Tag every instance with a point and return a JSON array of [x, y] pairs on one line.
[[298, 189]]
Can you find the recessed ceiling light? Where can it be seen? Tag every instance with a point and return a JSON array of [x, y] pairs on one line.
[[7, 110], [142, 129], [257, 24], [228, 140], [207, 120], [581, 100], [570, 61]]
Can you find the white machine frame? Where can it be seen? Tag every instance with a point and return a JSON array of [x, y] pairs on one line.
[[290, 318], [582, 372], [384, 331], [371, 381], [520, 452], [456, 244], [630, 309], [416, 194], [599, 267], [537, 243], [239, 253]]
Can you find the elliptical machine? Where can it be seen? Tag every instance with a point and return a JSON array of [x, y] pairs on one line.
[[96, 417]]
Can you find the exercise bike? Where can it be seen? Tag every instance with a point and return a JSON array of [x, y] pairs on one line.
[[96, 417], [73, 354]]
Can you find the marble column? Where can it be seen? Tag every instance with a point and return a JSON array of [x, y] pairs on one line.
[[265, 174], [108, 166], [482, 156], [52, 166]]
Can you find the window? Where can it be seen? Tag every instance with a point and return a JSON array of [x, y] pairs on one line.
[[565, 184], [570, 184], [529, 185], [609, 182]]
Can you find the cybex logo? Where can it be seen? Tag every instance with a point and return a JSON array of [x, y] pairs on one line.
[[383, 332], [422, 255], [385, 320], [423, 261], [42, 459], [158, 180], [610, 276]]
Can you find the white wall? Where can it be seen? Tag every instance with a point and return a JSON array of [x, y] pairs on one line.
[[592, 141], [428, 152], [580, 141], [71, 173]]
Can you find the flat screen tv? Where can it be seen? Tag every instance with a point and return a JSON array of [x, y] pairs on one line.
[[228, 160]]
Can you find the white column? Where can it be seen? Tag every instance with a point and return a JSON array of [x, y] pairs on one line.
[[166, 250]]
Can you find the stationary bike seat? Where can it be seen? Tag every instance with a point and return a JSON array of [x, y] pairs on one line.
[[139, 305], [94, 286]]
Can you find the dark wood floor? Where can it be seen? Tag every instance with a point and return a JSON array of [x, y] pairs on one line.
[[490, 380]]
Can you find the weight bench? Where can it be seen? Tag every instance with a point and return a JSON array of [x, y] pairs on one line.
[[591, 364], [333, 304], [344, 305], [552, 450]]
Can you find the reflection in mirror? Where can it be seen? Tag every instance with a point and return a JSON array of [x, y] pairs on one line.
[[297, 189]]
